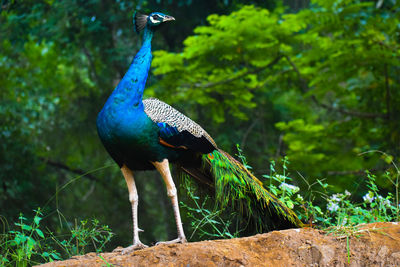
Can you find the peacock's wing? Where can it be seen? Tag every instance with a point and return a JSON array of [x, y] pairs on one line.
[[176, 130]]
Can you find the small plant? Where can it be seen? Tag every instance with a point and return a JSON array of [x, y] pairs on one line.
[[242, 157], [205, 222], [285, 191], [106, 263], [28, 244], [84, 236]]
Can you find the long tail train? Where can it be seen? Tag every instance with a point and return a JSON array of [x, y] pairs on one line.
[[237, 188]]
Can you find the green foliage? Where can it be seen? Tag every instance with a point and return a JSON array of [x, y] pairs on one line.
[[211, 72], [329, 74], [29, 244], [86, 237], [285, 191], [341, 209]]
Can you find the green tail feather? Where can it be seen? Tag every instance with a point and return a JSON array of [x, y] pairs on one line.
[[237, 186]]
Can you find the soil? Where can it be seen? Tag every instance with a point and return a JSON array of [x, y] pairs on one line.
[[376, 244]]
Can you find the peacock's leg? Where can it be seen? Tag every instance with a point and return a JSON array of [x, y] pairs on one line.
[[163, 168], [134, 199]]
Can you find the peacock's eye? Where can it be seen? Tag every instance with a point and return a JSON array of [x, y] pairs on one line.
[[156, 17]]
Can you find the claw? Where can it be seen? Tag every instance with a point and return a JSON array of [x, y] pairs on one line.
[[130, 249], [178, 240]]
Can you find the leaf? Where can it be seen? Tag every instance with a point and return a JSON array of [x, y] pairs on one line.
[[388, 158], [290, 204], [55, 255], [37, 220], [39, 232], [26, 227]]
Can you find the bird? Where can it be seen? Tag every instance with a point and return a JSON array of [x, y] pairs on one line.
[[148, 134]]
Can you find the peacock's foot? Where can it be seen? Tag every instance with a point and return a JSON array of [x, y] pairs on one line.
[[178, 240], [136, 246]]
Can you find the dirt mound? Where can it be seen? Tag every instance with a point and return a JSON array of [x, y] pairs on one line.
[[376, 244]]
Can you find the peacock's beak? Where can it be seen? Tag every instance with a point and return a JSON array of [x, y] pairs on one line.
[[168, 18]]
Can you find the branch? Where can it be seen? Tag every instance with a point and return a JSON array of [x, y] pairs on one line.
[[93, 71], [91, 177], [340, 173], [387, 96], [62, 166], [244, 138], [280, 145], [350, 112], [305, 88], [303, 83], [355, 172], [253, 71]]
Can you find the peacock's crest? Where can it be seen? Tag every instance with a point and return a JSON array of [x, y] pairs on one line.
[[139, 21]]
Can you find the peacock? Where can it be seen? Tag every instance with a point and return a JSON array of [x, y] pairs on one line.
[[150, 134]]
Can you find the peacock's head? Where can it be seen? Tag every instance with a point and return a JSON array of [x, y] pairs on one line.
[[153, 20]]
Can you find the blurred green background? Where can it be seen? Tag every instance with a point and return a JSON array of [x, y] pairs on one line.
[[317, 81]]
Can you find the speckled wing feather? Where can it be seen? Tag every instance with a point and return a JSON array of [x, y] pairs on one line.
[[163, 114]]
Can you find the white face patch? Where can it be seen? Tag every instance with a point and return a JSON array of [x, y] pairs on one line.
[[153, 20]]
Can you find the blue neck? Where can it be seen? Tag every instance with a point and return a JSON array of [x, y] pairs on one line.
[[130, 89]]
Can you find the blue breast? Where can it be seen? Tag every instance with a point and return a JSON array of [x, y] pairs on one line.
[[129, 136]]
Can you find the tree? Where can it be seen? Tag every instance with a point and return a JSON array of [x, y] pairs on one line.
[[328, 75]]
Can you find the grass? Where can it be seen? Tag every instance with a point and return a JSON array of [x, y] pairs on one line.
[[27, 243], [206, 222]]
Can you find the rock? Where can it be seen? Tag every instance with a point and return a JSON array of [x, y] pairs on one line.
[[377, 244]]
